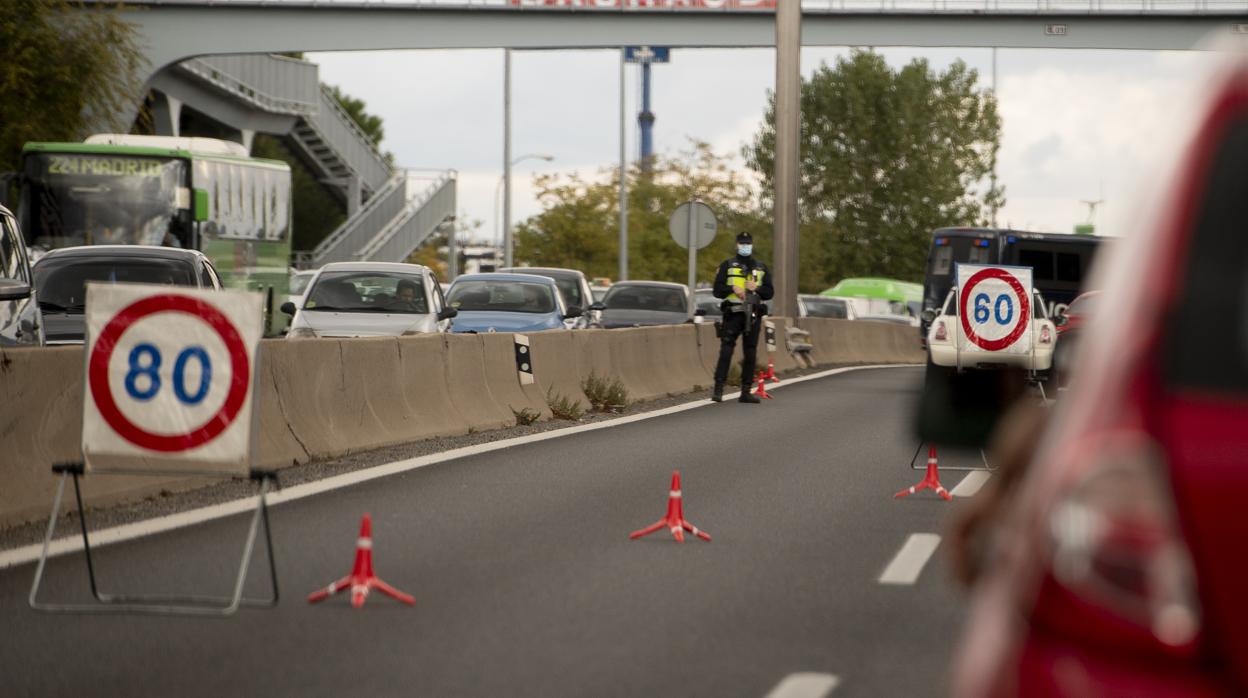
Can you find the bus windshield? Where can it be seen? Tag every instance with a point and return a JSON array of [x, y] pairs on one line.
[[73, 199]]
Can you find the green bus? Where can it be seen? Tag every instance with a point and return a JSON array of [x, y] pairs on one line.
[[881, 298], [194, 193]]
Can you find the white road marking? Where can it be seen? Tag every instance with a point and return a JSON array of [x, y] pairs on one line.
[[971, 483], [804, 685], [909, 561], [118, 534]]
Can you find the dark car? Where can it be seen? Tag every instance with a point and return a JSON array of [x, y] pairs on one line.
[[641, 303], [572, 284], [61, 278], [19, 319]]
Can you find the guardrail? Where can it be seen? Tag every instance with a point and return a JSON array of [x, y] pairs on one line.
[[419, 219], [277, 84], [349, 142], [355, 232]]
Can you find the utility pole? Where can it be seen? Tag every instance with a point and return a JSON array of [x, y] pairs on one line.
[[993, 176], [623, 176], [507, 244], [788, 130]]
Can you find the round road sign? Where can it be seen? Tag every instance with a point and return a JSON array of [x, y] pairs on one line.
[[143, 380], [994, 309], [702, 221]]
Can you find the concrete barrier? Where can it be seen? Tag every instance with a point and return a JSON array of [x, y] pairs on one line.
[[555, 365], [467, 386], [499, 357]]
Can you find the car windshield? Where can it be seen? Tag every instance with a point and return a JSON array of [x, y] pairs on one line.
[[708, 303], [659, 298], [299, 282], [368, 292], [501, 296], [61, 281], [569, 285], [826, 307]]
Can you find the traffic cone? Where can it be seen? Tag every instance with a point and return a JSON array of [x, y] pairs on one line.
[[931, 481], [361, 580], [761, 391], [771, 371], [674, 521]]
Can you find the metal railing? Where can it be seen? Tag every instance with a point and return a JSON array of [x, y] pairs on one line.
[[272, 83], [355, 232], [422, 217], [340, 133], [1145, 7]]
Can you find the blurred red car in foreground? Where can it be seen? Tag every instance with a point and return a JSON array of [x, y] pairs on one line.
[[1070, 325], [1121, 569]]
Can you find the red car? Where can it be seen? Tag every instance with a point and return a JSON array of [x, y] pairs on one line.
[[1069, 327], [1120, 568]]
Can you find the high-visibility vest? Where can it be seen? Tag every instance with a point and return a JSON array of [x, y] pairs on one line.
[[736, 279]]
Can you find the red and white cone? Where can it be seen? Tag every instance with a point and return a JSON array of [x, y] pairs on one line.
[[674, 521], [361, 580], [931, 481], [761, 391], [771, 371]]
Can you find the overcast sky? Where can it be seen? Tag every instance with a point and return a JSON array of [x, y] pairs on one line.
[[1077, 125]]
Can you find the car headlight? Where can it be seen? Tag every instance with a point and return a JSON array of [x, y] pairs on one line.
[[300, 333]]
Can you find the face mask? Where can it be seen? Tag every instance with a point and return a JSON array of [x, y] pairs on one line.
[[745, 250]]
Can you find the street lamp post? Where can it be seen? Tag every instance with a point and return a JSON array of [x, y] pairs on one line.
[[499, 191]]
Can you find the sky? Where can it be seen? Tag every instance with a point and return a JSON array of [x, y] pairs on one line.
[[1078, 125]]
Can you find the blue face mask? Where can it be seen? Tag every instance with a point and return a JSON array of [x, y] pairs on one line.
[[745, 250]]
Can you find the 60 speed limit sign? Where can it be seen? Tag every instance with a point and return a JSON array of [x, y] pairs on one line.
[[994, 308], [169, 382]]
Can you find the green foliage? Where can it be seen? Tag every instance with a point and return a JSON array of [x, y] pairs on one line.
[[563, 408], [525, 416], [370, 124], [579, 225], [886, 156], [59, 63], [605, 394]]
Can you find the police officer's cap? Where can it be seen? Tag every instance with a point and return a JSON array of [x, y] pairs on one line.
[[745, 238]]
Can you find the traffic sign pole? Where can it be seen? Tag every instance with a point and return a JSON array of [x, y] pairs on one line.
[[693, 260]]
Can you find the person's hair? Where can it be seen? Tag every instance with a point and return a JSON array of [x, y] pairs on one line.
[[405, 284]]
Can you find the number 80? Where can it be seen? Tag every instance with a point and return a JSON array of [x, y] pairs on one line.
[[151, 369]]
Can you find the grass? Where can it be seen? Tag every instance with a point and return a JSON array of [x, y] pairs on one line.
[[525, 416], [563, 408], [605, 394]]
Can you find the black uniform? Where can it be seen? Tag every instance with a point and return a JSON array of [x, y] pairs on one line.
[[734, 322]]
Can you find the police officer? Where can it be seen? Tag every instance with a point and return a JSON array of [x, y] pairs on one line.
[[737, 278]]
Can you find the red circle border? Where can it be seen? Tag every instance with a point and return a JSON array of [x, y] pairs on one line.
[[102, 352], [1024, 314]]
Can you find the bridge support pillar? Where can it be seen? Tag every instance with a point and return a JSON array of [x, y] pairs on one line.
[[167, 115]]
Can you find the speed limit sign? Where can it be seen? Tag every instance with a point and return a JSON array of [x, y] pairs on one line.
[[169, 378], [994, 308]]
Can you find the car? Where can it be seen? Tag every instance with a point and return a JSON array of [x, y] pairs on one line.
[[1070, 326], [574, 287], [599, 292], [888, 300], [643, 303], [370, 299], [497, 302], [1116, 567], [62, 274], [811, 305], [19, 314], [943, 349], [706, 304], [299, 281]]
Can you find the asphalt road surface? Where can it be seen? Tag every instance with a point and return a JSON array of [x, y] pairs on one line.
[[527, 584]]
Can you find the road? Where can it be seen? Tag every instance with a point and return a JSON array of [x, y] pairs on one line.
[[526, 581]]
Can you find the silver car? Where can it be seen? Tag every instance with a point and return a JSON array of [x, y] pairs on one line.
[[370, 299]]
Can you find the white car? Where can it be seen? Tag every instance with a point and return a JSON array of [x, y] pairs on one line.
[[943, 334], [811, 305], [370, 299]]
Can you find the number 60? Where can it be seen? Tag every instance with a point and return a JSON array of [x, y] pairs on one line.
[[981, 309]]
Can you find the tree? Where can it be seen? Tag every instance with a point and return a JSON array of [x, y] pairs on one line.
[[370, 124], [886, 156], [62, 68], [578, 227]]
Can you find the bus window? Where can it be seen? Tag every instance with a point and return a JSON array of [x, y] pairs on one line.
[[1068, 267], [942, 260], [1041, 262]]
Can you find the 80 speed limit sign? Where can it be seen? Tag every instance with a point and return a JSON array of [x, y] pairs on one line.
[[169, 378], [994, 308]]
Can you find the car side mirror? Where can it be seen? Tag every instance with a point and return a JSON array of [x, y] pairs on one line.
[[447, 313], [14, 291], [600, 306], [289, 308], [700, 312], [929, 314], [574, 311]]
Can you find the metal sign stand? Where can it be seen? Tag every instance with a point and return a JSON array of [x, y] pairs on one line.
[[982, 456], [162, 604]]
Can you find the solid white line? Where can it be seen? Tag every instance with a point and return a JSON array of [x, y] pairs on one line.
[[971, 483], [909, 561], [117, 534], [804, 685]]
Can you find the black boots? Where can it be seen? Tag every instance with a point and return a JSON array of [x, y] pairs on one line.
[[718, 395], [747, 397]]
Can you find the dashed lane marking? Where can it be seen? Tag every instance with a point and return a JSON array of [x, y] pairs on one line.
[[909, 561], [971, 483], [118, 534], [804, 685]]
